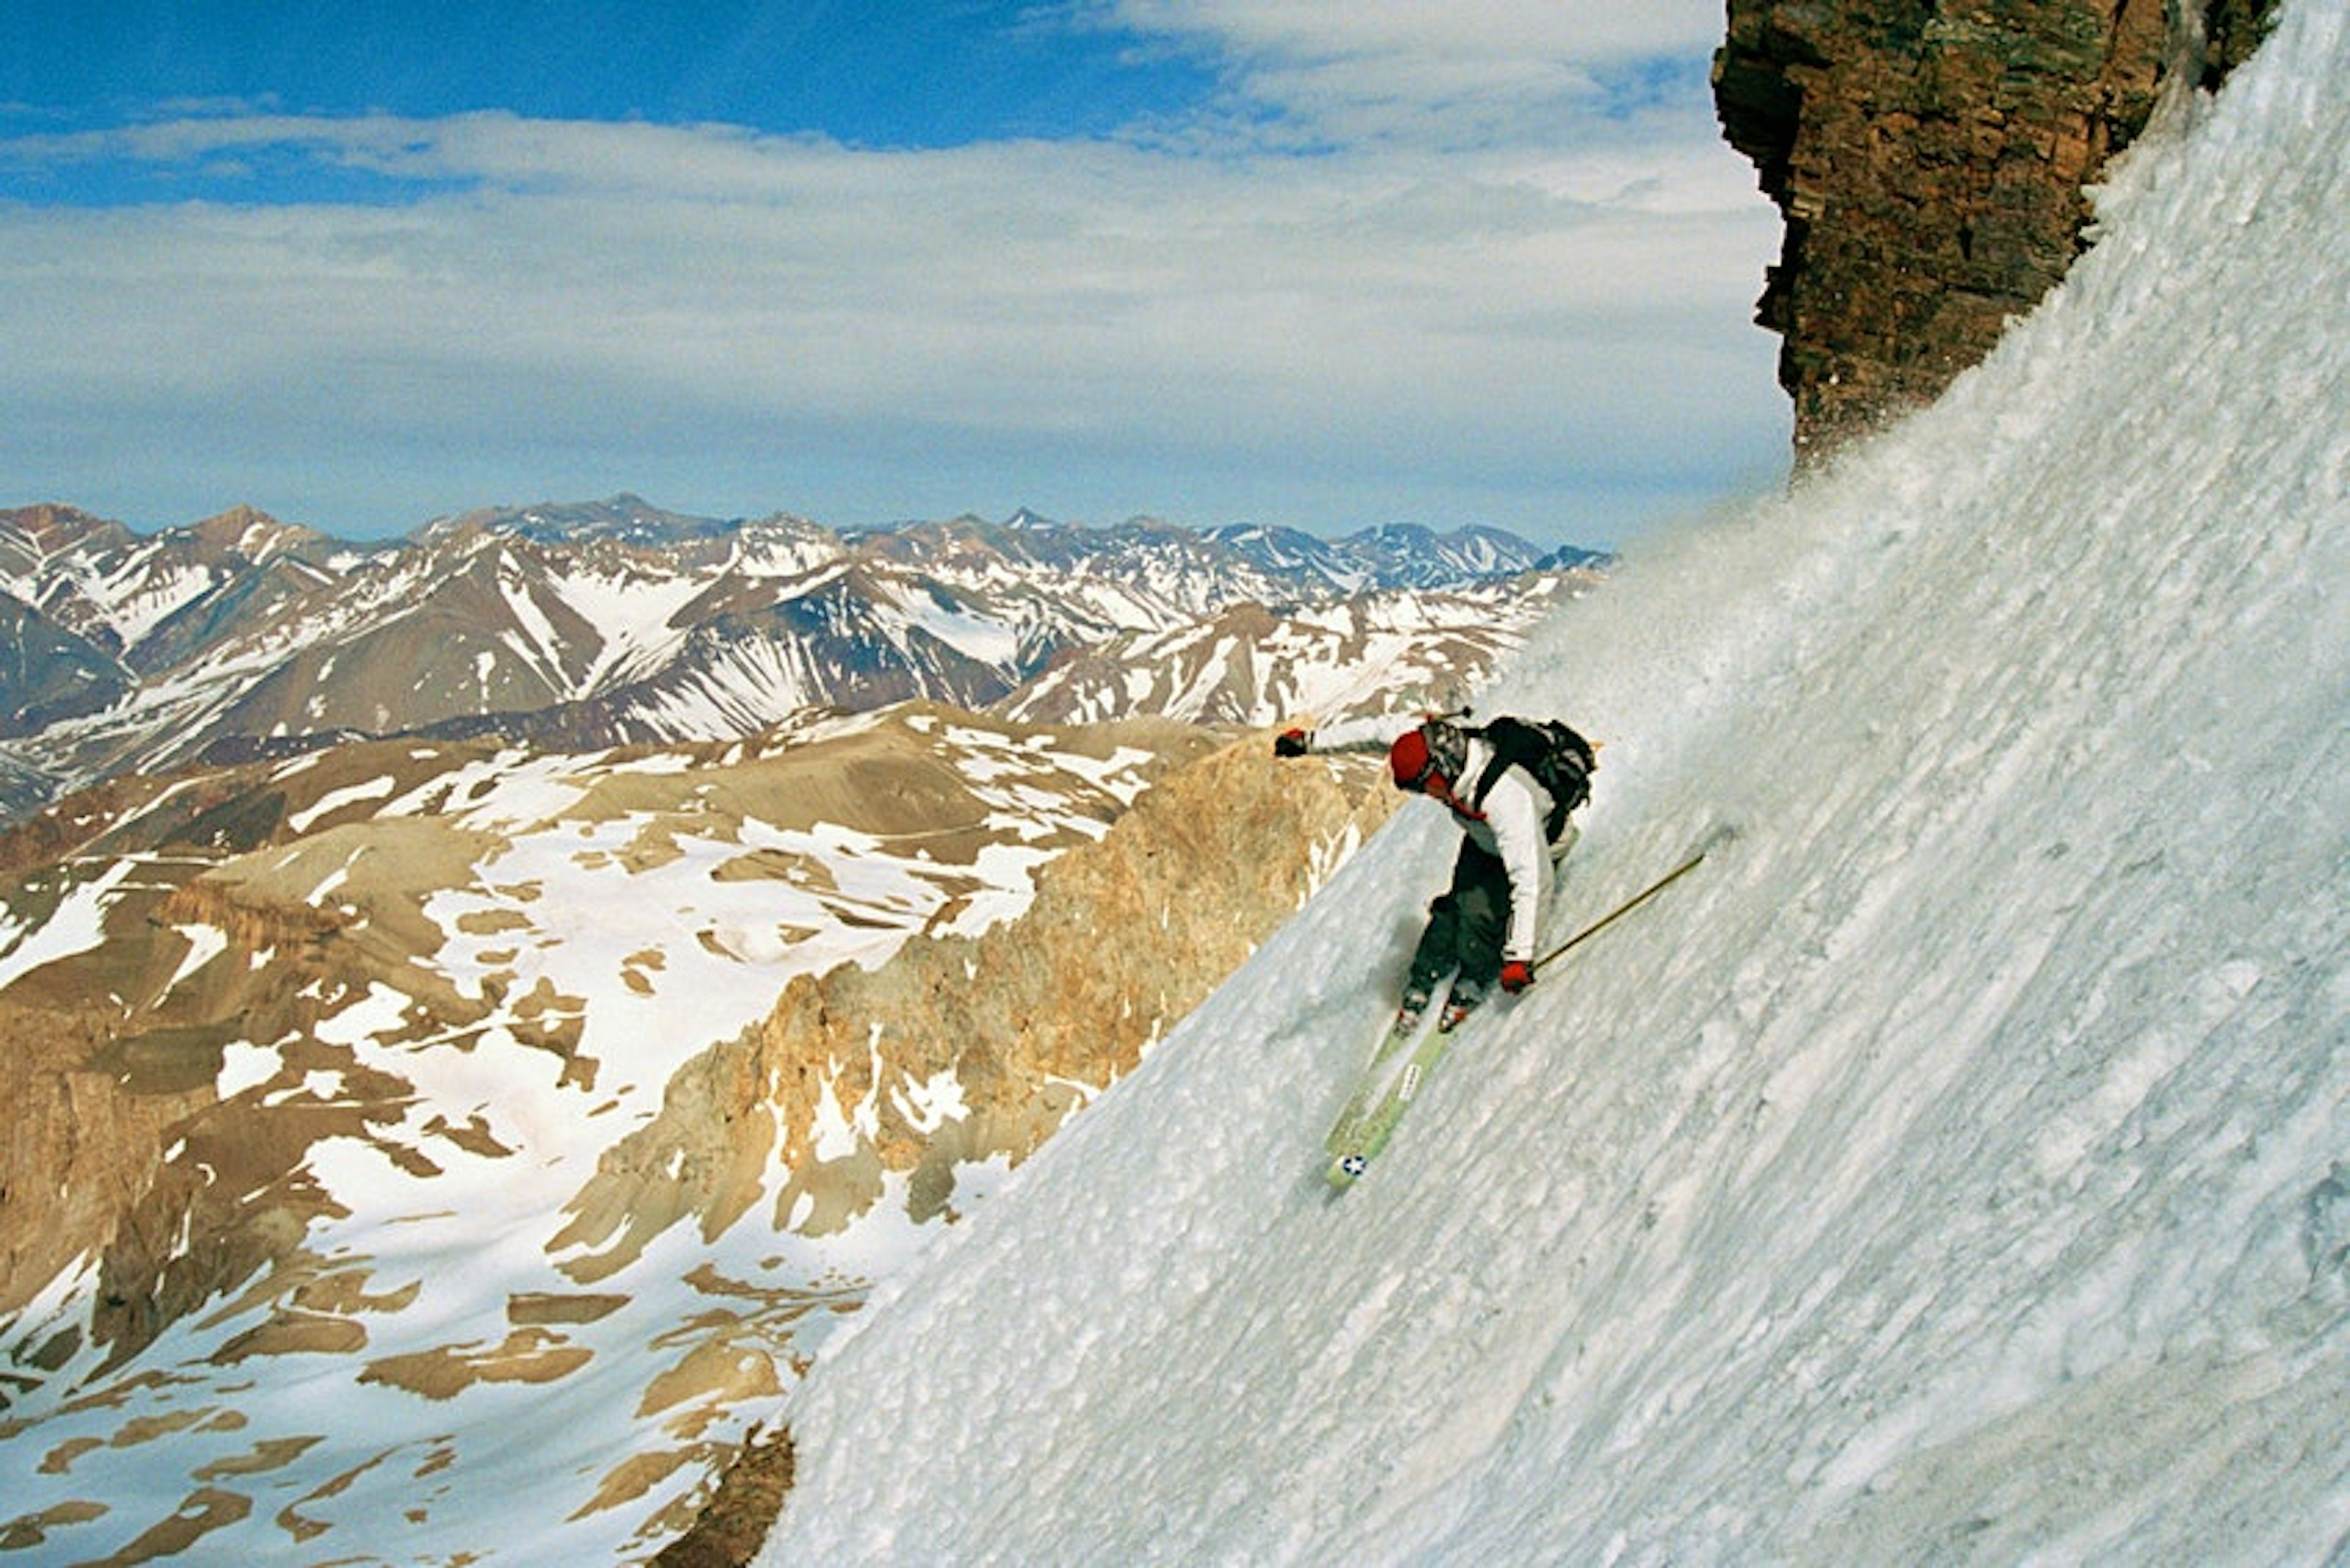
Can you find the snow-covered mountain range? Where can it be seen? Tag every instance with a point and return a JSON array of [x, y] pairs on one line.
[[616, 622]]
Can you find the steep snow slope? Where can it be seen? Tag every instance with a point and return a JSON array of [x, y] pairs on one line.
[[1956, 1168]]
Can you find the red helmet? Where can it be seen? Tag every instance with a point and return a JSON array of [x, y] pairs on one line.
[[1407, 759], [1434, 748]]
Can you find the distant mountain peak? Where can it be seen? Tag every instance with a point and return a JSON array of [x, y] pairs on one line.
[[627, 518], [254, 534], [38, 532], [583, 624]]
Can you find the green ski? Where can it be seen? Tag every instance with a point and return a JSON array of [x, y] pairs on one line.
[[1393, 1048], [1378, 1104], [1404, 1056]]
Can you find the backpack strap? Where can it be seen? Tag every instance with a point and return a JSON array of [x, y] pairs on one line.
[[1520, 744], [1494, 768]]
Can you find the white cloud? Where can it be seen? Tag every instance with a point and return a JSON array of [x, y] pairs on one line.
[[1571, 29], [754, 322], [1478, 72]]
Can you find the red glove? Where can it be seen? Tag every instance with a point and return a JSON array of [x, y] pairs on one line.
[[1516, 975]]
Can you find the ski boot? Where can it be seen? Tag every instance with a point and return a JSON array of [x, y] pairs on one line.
[[1467, 996]]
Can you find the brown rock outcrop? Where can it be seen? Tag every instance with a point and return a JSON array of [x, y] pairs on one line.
[[1026, 1022], [1123, 939], [1930, 158]]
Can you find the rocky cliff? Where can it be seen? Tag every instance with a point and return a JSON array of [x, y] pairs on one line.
[[846, 1080], [1932, 158]]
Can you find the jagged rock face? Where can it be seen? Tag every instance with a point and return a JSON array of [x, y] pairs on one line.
[[1931, 159], [962, 1051], [1124, 938]]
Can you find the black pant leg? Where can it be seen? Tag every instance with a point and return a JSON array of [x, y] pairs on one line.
[[1440, 945], [1467, 924], [1480, 889]]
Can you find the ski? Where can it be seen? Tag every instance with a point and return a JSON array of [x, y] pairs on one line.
[[1393, 1080], [1407, 1055], [1394, 1049]]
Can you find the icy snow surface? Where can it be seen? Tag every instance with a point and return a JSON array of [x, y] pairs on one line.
[[1956, 1167]]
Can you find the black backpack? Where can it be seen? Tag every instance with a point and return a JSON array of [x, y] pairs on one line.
[[1560, 760]]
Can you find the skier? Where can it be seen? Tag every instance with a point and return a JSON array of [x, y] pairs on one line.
[[1510, 784]]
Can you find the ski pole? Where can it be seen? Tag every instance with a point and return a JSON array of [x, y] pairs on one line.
[[1622, 909]]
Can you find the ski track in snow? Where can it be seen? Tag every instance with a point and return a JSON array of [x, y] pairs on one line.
[[1955, 1169]]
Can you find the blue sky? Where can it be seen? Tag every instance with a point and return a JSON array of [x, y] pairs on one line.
[[1327, 263]]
